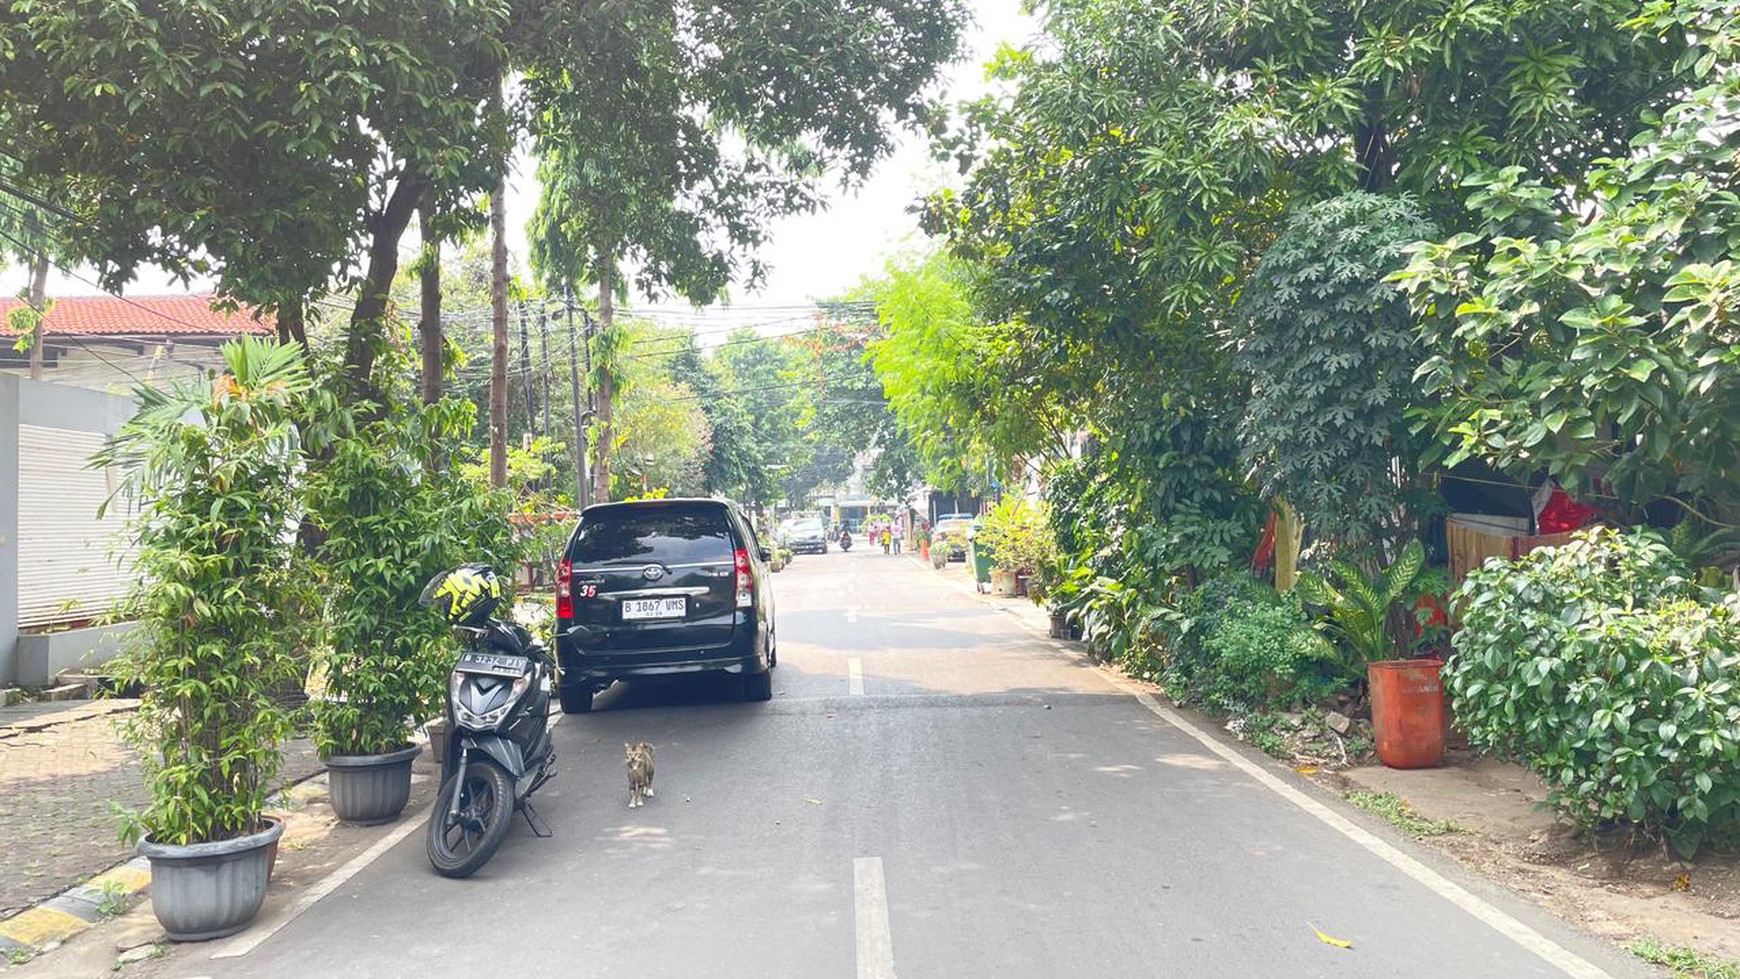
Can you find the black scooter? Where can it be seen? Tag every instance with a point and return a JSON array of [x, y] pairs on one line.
[[499, 751]]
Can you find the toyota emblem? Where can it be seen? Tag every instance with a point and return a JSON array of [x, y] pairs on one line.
[[652, 572]]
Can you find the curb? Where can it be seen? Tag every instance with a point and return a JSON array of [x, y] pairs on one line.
[[76, 910]]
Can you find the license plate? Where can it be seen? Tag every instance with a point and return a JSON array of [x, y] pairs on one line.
[[494, 664], [654, 608]]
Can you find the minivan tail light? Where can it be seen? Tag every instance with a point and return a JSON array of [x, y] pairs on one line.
[[745, 581], [565, 589]]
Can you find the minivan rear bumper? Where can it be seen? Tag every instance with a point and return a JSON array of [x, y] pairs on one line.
[[597, 667]]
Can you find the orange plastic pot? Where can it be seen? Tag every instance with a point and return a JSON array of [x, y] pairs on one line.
[[1407, 712]]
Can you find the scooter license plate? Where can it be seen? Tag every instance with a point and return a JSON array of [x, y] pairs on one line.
[[494, 664]]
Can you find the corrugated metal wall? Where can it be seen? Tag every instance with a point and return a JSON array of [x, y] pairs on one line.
[[72, 566]]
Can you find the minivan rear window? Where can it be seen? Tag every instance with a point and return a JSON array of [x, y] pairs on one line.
[[670, 535]]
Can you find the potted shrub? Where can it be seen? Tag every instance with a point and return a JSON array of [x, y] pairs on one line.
[[1019, 539], [390, 521], [1407, 695], [211, 468]]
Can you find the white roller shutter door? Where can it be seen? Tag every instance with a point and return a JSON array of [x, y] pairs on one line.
[[71, 566]]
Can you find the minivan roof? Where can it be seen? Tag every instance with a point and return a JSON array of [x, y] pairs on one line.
[[683, 500]]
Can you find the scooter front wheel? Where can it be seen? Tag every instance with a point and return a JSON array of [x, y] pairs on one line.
[[461, 841]]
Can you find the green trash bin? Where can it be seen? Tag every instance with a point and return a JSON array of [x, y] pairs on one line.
[[981, 556]]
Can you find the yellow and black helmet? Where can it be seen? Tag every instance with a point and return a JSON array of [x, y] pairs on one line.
[[465, 595]]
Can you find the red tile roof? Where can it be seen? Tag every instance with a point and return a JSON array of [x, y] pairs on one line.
[[140, 316]]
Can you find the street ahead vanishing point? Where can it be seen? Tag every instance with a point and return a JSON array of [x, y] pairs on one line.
[[933, 791]]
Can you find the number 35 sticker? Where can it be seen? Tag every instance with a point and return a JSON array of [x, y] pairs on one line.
[[588, 591]]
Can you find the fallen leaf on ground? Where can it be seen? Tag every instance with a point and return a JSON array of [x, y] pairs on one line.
[[1683, 882], [814, 802], [1306, 770], [1328, 940]]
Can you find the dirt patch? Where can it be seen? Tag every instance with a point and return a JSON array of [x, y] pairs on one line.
[[1614, 888]]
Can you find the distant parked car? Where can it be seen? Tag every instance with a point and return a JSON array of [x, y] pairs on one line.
[[807, 537], [659, 587], [950, 535]]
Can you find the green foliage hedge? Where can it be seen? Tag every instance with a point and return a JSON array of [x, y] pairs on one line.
[[1600, 667]]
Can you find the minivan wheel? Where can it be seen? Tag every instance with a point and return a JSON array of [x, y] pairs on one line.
[[758, 686], [575, 700]]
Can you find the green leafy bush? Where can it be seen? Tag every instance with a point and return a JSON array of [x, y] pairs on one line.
[[1018, 535], [1598, 666], [211, 468], [1264, 654], [390, 522]]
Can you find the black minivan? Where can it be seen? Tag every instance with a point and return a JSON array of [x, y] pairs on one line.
[[657, 587]]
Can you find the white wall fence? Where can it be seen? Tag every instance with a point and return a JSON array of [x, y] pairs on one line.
[[60, 565]]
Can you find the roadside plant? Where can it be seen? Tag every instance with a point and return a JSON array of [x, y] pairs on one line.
[[1598, 665], [1357, 608], [390, 522], [1264, 654], [1330, 349], [211, 467], [1018, 535]]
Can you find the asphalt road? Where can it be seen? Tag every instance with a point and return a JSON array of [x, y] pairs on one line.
[[933, 792]]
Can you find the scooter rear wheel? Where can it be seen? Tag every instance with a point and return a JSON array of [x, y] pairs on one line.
[[459, 844]]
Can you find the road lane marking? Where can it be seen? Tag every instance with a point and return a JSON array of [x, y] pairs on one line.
[[331, 882], [870, 900], [855, 676], [851, 615], [1552, 952]]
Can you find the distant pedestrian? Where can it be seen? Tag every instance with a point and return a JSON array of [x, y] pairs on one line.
[[899, 533]]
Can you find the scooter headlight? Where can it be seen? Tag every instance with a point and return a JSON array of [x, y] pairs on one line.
[[482, 702]]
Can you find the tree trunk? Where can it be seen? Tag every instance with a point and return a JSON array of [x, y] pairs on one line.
[[38, 302], [498, 382], [291, 322], [429, 311], [606, 385], [368, 318]]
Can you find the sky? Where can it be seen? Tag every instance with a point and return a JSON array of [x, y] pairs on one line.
[[809, 256]]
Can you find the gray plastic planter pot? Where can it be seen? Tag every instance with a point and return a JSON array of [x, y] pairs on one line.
[[209, 890], [369, 789]]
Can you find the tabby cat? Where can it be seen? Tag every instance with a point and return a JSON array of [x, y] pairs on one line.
[[640, 772]]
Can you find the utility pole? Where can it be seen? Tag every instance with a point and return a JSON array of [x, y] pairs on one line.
[[526, 368], [544, 356], [581, 480], [606, 381]]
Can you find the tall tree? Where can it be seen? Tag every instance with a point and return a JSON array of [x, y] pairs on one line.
[[288, 163], [688, 126], [498, 351], [429, 331], [1121, 196], [25, 238]]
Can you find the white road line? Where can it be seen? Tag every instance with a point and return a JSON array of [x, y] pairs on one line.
[[855, 677], [326, 885], [870, 899], [1555, 954]]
